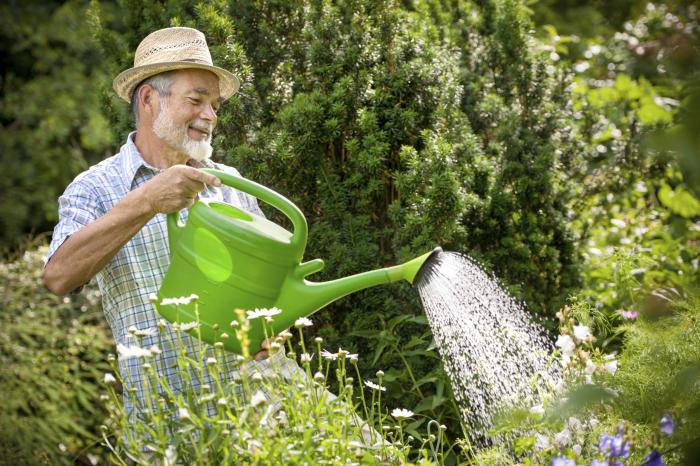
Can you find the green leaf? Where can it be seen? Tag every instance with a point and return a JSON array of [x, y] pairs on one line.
[[679, 200], [581, 398]]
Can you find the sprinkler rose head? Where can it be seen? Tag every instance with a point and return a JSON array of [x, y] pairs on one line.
[[419, 264]]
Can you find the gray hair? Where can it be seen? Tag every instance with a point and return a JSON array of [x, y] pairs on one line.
[[161, 82]]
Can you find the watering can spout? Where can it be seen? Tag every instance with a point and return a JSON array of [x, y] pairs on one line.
[[300, 297], [409, 270]]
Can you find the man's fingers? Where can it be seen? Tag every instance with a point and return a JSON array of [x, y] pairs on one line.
[[261, 355], [195, 186], [202, 177]]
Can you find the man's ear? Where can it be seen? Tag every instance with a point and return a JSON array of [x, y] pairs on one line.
[[147, 101]]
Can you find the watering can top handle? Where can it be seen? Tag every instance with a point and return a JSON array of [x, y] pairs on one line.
[[269, 196]]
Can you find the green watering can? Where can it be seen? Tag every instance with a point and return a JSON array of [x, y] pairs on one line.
[[233, 259]]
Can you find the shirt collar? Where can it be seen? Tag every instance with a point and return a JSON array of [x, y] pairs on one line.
[[133, 161]]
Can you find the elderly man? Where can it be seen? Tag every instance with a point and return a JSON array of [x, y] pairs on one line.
[[112, 222]]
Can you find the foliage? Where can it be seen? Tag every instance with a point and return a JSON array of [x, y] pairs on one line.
[[279, 413], [639, 250], [52, 126], [52, 354], [645, 397]]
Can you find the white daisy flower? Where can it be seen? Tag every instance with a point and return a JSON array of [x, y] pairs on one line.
[[327, 355], [183, 413], [258, 398], [257, 313], [147, 332], [374, 386], [400, 413], [109, 379], [303, 322], [127, 352], [179, 301], [188, 326]]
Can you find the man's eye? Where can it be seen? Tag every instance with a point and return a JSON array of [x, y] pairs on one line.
[[195, 101]]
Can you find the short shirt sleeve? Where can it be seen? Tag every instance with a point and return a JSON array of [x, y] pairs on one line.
[[77, 207]]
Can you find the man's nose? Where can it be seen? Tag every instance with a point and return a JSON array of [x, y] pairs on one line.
[[208, 113]]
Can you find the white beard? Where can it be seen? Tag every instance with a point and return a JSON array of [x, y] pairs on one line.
[[177, 138]]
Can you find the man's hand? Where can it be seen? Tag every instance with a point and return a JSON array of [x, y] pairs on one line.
[[176, 188], [264, 353]]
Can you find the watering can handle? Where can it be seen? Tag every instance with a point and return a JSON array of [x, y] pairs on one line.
[[271, 197]]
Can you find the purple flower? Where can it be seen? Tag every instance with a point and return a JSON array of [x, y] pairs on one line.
[[600, 463], [605, 444], [614, 446], [620, 447], [628, 314], [667, 425], [563, 461], [653, 459]]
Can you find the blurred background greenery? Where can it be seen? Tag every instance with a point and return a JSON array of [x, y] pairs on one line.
[[554, 141]]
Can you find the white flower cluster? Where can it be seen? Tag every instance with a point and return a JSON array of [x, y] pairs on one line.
[[568, 345], [572, 436]]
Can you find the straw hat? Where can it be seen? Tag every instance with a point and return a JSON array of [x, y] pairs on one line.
[[172, 49]]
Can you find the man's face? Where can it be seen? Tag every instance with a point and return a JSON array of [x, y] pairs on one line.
[[187, 117]]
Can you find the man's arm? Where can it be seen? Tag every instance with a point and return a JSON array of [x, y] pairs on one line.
[[88, 250]]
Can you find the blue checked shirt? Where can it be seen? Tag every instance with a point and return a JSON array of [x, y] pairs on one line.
[[136, 271]]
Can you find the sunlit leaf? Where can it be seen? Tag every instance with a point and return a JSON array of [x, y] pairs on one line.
[[679, 200]]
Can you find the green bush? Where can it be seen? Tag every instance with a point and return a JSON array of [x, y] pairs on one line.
[[51, 126], [52, 358]]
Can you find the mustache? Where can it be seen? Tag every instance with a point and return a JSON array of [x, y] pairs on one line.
[[202, 125]]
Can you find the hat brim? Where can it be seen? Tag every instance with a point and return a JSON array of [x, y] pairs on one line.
[[125, 83]]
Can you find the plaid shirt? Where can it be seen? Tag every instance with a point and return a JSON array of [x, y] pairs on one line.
[[137, 269]]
